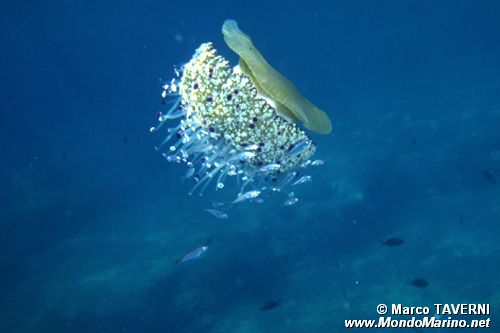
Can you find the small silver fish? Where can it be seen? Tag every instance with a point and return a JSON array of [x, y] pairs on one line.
[[290, 202], [252, 147], [289, 177], [217, 213], [194, 254], [243, 156], [270, 167], [247, 196], [216, 204], [302, 180], [299, 147], [189, 173], [317, 162]]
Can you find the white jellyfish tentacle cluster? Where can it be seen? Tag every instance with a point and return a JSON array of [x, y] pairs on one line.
[[222, 128]]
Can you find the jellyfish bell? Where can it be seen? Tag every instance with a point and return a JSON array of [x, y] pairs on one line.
[[228, 123], [290, 103]]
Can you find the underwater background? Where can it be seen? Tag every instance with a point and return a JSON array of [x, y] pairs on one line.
[[92, 218]]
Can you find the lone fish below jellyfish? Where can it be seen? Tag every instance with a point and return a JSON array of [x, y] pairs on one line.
[[217, 213], [239, 122], [195, 253]]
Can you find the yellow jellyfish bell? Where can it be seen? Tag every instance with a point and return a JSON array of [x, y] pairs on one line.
[[270, 83]]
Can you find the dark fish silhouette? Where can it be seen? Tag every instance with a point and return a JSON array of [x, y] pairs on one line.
[[490, 176], [269, 305], [419, 283], [393, 242]]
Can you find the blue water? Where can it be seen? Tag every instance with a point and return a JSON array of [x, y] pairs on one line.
[[92, 218]]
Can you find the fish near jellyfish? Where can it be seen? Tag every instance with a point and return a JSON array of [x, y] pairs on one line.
[[241, 122]]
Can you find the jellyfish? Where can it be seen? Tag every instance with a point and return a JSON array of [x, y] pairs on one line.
[[240, 122]]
